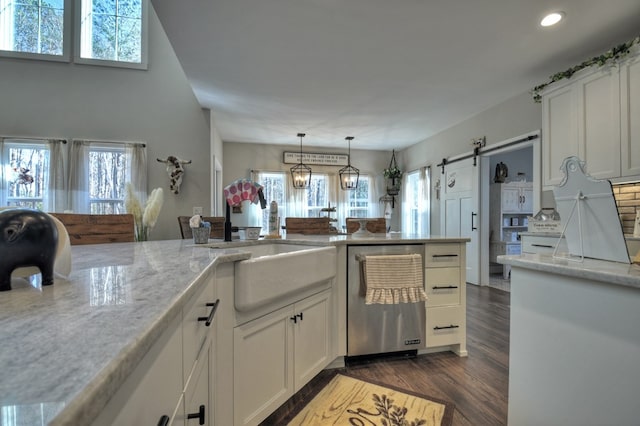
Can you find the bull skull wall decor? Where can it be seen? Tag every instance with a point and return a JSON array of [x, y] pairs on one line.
[[175, 170]]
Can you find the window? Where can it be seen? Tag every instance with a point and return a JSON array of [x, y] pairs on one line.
[[107, 178], [33, 27], [112, 32], [99, 171], [358, 200], [25, 173], [317, 195], [274, 184], [415, 206]]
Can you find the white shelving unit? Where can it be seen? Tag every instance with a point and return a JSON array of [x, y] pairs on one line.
[[511, 205]]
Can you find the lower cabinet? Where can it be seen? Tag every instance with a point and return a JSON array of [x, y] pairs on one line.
[[173, 384], [445, 282], [275, 355], [152, 394]]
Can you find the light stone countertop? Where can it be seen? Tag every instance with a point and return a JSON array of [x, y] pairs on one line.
[[67, 348], [591, 269]]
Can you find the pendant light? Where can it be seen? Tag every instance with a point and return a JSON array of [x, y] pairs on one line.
[[349, 175], [301, 173]]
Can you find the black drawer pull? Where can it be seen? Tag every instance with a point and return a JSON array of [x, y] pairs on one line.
[[164, 421], [443, 287], [214, 307], [541, 245], [445, 255], [445, 327], [199, 415]]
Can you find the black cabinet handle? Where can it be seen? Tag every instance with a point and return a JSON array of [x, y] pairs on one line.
[[473, 215], [164, 421], [445, 255], [445, 327], [214, 307], [442, 287], [300, 316], [199, 415], [541, 245], [294, 319]]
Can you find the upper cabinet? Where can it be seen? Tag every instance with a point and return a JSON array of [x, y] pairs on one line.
[[595, 115]]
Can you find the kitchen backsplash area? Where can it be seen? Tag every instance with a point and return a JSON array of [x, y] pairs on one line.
[[628, 200]]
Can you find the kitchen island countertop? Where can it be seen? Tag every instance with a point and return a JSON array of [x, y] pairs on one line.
[[68, 347]]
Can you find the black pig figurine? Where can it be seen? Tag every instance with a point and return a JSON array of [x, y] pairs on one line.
[[29, 238]]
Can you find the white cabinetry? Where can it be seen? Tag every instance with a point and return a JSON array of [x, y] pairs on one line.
[[594, 116], [173, 380], [445, 282], [511, 205], [275, 355]]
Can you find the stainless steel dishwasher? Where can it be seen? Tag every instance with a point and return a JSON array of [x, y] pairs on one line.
[[377, 329]]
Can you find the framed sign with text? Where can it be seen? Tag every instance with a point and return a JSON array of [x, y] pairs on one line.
[[323, 159]]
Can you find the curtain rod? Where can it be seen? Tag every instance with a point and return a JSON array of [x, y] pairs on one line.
[[144, 145], [39, 138], [477, 151]]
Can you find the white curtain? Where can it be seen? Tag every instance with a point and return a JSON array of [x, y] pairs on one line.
[[55, 197], [136, 173], [79, 176]]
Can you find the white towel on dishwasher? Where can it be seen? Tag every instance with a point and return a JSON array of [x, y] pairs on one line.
[[392, 279]]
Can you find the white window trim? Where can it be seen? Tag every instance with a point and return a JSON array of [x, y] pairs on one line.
[[144, 42], [66, 38]]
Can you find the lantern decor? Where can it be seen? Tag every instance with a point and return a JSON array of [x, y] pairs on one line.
[[301, 173], [349, 175]]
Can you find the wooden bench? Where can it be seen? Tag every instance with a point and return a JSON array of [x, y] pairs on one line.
[[97, 228], [217, 226], [309, 225]]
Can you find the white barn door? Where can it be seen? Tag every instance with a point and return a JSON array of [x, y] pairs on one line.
[[459, 210]]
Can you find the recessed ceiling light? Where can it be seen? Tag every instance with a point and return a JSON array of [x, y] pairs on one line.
[[552, 19]]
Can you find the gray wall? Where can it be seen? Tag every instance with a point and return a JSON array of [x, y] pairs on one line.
[[514, 117], [158, 107]]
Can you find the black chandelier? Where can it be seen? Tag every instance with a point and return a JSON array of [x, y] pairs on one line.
[[301, 173], [349, 175]]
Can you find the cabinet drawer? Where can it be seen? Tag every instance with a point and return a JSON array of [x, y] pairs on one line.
[[542, 244], [445, 326], [442, 286], [195, 331], [442, 255]]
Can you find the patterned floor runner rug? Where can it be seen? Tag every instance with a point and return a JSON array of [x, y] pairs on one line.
[[349, 401]]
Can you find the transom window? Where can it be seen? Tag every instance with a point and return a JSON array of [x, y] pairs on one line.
[[107, 32], [112, 30], [33, 26]]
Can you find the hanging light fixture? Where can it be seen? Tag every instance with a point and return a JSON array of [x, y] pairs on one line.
[[301, 173], [349, 175]]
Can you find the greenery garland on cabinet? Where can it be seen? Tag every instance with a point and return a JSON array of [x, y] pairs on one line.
[[610, 56]]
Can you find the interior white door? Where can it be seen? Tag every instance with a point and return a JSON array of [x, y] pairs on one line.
[[459, 210]]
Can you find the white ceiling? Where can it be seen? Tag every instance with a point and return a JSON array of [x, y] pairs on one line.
[[391, 73]]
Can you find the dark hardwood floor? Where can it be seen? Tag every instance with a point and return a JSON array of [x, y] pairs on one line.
[[477, 384]]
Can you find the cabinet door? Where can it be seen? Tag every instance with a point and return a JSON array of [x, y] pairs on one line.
[[197, 395], [154, 388], [526, 200], [510, 200], [630, 113], [263, 366], [559, 132], [311, 337], [598, 105]]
